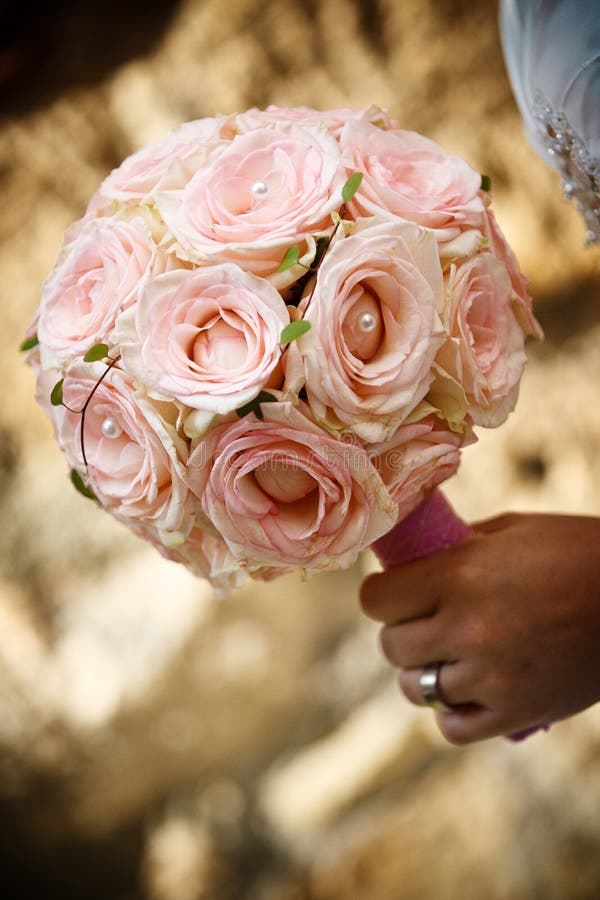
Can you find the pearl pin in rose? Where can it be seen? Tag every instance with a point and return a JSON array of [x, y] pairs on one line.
[[259, 188], [111, 428], [367, 322], [363, 326]]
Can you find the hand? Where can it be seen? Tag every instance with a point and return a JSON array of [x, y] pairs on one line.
[[513, 613]]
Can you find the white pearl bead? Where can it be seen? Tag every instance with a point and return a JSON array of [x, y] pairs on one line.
[[260, 188], [111, 429], [367, 322]]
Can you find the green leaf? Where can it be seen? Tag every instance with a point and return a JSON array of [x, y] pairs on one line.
[[29, 343], [351, 186], [486, 183], [254, 405], [293, 331], [292, 255], [56, 397], [81, 486], [98, 351]]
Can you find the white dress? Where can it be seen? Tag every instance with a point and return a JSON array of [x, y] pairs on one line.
[[552, 52]]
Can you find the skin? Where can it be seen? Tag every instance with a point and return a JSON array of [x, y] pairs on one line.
[[514, 614]]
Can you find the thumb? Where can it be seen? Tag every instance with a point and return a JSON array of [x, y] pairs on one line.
[[498, 523]]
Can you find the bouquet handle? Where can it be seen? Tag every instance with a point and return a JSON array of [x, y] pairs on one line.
[[431, 528]]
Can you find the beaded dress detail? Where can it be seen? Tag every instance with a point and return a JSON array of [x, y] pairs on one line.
[[552, 52], [579, 170]]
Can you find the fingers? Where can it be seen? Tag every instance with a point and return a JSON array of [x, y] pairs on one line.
[[498, 523], [454, 685], [399, 595], [469, 720], [416, 589], [414, 643], [470, 723]]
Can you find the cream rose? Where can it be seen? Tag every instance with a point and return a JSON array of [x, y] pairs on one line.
[[523, 304], [207, 338], [366, 362], [333, 119], [206, 555], [486, 350], [135, 458], [180, 154], [100, 274], [410, 176], [417, 458], [282, 492], [268, 189]]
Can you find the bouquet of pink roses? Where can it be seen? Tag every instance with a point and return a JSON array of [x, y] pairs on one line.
[[269, 336]]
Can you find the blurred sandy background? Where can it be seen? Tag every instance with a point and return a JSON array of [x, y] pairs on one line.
[[157, 744]]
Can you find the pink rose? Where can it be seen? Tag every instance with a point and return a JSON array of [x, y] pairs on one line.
[[187, 149], [268, 189], [100, 274], [486, 352], [389, 276], [334, 119], [135, 458], [417, 458], [283, 492], [523, 304], [207, 338], [410, 176]]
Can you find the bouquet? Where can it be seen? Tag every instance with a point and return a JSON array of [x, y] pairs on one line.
[[271, 334]]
